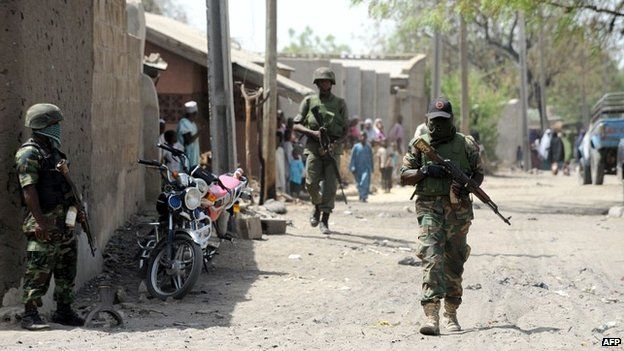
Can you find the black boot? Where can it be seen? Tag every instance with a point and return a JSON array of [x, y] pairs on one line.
[[314, 217], [31, 319], [324, 227], [66, 316]]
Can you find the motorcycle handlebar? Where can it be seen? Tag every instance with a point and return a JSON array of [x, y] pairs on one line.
[[149, 163], [175, 152]]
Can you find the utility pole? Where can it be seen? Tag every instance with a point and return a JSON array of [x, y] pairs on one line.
[[463, 63], [526, 151], [542, 79], [584, 107], [437, 62], [220, 98], [269, 120]]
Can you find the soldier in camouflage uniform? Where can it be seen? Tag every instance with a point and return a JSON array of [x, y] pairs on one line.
[[51, 247], [321, 177], [443, 226]]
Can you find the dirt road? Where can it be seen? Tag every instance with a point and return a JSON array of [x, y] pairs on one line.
[[551, 281]]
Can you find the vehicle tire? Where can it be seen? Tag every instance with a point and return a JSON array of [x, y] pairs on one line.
[[597, 167], [165, 281], [584, 174]]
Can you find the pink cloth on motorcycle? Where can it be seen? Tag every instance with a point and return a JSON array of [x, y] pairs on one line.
[[229, 182]]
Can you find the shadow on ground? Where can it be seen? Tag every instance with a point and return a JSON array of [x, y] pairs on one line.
[[210, 303]]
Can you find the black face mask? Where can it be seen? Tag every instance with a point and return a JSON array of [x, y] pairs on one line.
[[441, 130]]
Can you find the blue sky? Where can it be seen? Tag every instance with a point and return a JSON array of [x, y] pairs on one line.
[[350, 25]]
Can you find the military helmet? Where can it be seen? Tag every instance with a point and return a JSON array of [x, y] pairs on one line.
[[324, 73], [40, 116]]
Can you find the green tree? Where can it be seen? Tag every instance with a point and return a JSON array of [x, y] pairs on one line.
[[581, 41], [167, 8], [308, 43]]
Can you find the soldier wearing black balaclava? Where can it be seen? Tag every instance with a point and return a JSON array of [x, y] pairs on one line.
[[442, 245]]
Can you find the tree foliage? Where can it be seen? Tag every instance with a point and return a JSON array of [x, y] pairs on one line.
[[167, 8], [485, 102], [581, 40], [308, 43]]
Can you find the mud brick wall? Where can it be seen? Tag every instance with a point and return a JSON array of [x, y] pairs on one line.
[[74, 54], [116, 130]]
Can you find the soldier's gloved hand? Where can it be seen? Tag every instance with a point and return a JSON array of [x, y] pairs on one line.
[[459, 189], [434, 171], [43, 229]]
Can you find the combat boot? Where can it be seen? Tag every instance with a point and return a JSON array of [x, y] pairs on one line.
[[31, 319], [314, 217], [432, 324], [66, 316], [324, 227], [450, 317]]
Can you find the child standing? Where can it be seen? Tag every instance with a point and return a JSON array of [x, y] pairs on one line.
[[296, 173]]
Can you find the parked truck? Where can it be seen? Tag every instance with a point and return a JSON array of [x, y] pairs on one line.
[[599, 148]]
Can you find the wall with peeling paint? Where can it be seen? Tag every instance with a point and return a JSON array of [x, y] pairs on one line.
[[78, 56]]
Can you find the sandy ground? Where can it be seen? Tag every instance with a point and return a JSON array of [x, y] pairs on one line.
[[548, 282]]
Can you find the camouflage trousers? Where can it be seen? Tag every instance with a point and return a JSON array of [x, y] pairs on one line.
[[56, 257], [442, 247], [322, 180]]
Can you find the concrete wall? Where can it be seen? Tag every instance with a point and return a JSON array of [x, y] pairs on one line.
[[368, 87], [304, 68], [76, 55], [509, 133], [353, 93], [414, 99], [382, 101]]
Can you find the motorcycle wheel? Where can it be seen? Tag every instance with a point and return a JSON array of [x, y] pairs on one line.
[[177, 278]]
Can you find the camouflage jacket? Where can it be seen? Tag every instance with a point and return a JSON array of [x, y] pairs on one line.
[[28, 164]]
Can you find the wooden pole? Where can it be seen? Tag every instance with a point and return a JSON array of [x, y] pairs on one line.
[[463, 63], [269, 124], [220, 88], [526, 150], [437, 62], [249, 99], [542, 79]]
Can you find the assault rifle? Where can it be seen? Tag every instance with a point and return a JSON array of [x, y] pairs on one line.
[[84, 222], [459, 176], [326, 147]]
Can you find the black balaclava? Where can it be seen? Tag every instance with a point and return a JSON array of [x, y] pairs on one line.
[[441, 129]]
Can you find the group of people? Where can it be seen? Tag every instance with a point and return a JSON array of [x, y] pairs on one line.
[[553, 150], [185, 138], [364, 159], [442, 240]]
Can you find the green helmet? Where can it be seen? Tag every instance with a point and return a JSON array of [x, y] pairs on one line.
[[324, 73], [40, 116]]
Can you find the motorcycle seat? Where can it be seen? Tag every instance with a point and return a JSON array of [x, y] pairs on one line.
[[228, 182]]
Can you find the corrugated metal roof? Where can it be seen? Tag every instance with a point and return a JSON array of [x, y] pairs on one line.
[[196, 39], [192, 44], [395, 68]]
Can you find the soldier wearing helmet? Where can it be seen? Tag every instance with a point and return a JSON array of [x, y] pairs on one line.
[[321, 177], [51, 248]]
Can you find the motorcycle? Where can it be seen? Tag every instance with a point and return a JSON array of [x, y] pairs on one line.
[[191, 211]]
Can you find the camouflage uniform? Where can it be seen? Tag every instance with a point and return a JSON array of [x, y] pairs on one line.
[[56, 256], [442, 243]]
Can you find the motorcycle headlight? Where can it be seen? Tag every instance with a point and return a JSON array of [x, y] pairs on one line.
[[192, 198], [174, 202], [183, 179], [202, 186]]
